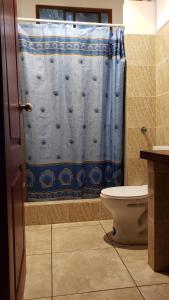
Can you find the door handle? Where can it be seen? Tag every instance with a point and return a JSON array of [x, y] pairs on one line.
[[26, 106]]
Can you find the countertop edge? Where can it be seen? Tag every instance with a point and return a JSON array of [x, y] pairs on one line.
[[159, 156]]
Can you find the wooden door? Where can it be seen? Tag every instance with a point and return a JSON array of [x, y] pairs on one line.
[[12, 244]]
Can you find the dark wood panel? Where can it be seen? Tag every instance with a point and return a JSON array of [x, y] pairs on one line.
[[17, 192], [11, 64], [13, 264]]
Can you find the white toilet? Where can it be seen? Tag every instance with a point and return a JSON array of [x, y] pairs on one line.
[[128, 206]]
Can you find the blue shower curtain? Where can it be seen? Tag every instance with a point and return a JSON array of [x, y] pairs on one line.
[[74, 78]]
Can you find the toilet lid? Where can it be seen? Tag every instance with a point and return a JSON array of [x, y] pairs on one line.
[[126, 191]]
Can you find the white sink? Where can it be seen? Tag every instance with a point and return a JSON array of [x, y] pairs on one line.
[[160, 148]]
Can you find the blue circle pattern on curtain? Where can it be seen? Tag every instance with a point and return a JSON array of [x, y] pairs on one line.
[[74, 135]]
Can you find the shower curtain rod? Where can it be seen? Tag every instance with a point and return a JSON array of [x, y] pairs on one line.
[[69, 22]]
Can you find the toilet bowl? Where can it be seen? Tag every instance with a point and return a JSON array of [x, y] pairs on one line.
[[128, 206]]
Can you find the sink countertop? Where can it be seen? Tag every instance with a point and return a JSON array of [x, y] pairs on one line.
[[158, 208], [156, 155]]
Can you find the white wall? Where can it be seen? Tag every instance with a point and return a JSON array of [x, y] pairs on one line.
[[162, 14], [139, 17], [26, 8]]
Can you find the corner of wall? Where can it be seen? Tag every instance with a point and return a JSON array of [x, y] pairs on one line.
[[139, 17]]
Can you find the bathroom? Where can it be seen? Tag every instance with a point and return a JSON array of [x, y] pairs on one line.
[[82, 242]]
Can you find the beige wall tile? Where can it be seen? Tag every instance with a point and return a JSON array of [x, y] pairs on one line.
[[84, 210], [75, 224], [105, 214], [162, 78], [122, 294], [162, 107], [162, 85], [141, 81], [137, 172], [140, 105], [140, 50], [38, 227], [141, 112], [155, 292], [62, 211], [162, 135], [138, 141], [90, 270], [162, 43], [46, 213]]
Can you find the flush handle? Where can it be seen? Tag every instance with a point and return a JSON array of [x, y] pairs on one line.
[[26, 106]]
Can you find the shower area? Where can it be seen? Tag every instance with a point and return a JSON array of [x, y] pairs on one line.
[[74, 78]]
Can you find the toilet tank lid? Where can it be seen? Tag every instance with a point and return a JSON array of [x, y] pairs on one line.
[[126, 191]]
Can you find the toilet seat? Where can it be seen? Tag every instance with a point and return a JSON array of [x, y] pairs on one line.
[[126, 192]]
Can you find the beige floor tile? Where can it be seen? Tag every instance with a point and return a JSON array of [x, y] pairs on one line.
[[121, 294], [136, 260], [38, 227], [76, 224], [155, 292], [90, 270], [38, 277], [107, 225], [38, 241], [78, 238]]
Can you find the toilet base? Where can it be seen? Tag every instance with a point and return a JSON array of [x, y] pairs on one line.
[[129, 208], [118, 244], [129, 234]]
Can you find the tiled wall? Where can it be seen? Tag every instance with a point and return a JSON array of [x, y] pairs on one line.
[[66, 211], [140, 105], [162, 83]]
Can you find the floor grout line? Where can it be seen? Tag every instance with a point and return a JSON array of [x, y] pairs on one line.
[[38, 298], [74, 226], [141, 293], [82, 250], [123, 263], [38, 254], [120, 257], [126, 267], [152, 284], [34, 227], [70, 251], [112, 246], [54, 226], [96, 291], [139, 287]]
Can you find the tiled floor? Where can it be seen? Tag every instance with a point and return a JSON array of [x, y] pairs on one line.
[[77, 261]]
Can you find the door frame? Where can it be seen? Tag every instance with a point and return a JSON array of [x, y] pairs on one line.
[[4, 249], [7, 256]]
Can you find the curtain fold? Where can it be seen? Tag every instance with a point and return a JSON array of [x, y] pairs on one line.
[[74, 78]]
